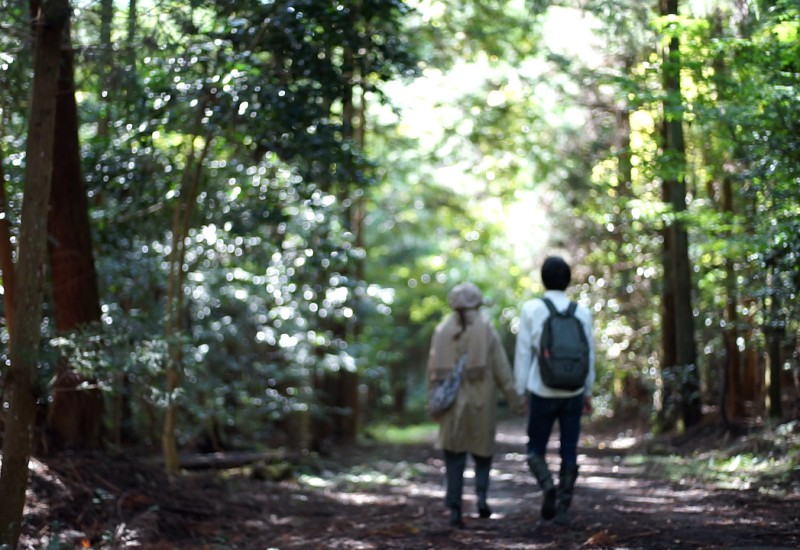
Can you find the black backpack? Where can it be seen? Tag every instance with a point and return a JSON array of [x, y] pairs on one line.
[[563, 350]]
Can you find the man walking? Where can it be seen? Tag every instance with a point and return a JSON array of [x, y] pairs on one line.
[[565, 403]]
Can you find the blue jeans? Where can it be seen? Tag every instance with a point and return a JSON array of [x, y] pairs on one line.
[[542, 414]]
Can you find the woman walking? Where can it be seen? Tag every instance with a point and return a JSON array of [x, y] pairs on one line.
[[469, 425]]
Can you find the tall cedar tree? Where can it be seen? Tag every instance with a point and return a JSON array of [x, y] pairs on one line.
[[681, 376], [75, 413], [50, 20]]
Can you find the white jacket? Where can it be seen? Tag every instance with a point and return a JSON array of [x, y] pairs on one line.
[[527, 376]]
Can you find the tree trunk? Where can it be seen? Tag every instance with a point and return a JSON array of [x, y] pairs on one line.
[[674, 170], [50, 20], [133, 14], [666, 405], [627, 379], [774, 331], [75, 414], [175, 326], [732, 400], [6, 252], [107, 67], [341, 391]]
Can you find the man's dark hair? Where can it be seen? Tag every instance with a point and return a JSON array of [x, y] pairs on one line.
[[555, 273]]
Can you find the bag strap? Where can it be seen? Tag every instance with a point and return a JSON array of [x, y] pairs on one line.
[[569, 312], [462, 361], [550, 306]]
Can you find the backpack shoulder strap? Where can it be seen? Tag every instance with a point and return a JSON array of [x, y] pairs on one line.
[[550, 306], [571, 309]]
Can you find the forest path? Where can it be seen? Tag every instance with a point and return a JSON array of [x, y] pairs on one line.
[[380, 496], [391, 497]]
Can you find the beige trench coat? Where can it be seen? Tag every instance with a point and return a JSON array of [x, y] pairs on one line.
[[470, 424]]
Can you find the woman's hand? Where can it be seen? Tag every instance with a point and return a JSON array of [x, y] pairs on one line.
[[522, 406]]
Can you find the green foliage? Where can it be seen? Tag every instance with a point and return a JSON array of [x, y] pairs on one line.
[[743, 101], [399, 435], [457, 30], [737, 99], [763, 461], [269, 275], [506, 149]]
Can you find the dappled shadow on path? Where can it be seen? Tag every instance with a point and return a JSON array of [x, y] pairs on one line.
[[378, 496], [616, 506]]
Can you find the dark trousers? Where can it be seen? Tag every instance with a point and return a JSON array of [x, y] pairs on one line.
[[543, 412], [454, 476]]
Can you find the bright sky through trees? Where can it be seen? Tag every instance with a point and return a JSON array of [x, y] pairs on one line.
[[428, 113]]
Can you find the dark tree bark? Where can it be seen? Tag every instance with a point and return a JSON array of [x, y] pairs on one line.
[[6, 253], [775, 331], [133, 14], [339, 389], [107, 87], [667, 407], [50, 20], [75, 414], [685, 366], [733, 399]]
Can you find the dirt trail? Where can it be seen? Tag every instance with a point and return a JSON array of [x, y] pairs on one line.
[[389, 497], [615, 506]]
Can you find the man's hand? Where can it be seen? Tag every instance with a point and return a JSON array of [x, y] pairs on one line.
[[587, 405]]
